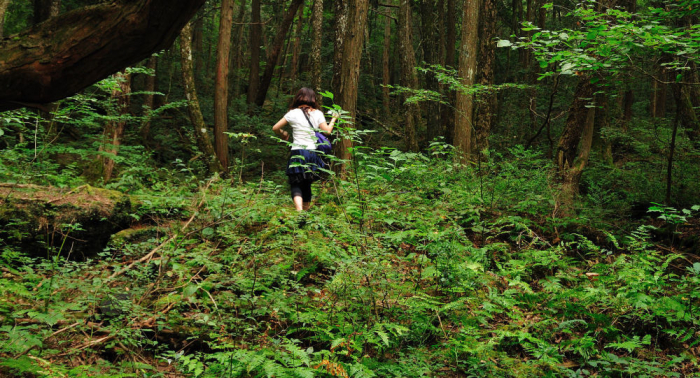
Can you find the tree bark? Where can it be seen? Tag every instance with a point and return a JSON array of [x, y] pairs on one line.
[[485, 114], [579, 126], [386, 79], [467, 74], [430, 56], [409, 79], [347, 87], [221, 84], [255, 40], [448, 113], [200, 128], [114, 130], [316, 43], [341, 23], [237, 51], [274, 52], [686, 112], [4, 4], [296, 51], [63, 55]]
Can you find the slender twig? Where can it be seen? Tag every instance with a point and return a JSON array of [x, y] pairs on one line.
[[549, 113]]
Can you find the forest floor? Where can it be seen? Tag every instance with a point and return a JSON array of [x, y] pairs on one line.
[[409, 268]]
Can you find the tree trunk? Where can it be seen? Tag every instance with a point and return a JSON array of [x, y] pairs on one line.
[[579, 123], [659, 97], [114, 130], [341, 23], [237, 51], [430, 56], [274, 52], [198, 52], [4, 4], [149, 98], [200, 128], [686, 112], [347, 88], [296, 51], [485, 114], [316, 43], [448, 113], [255, 40], [467, 74], [67, 53], [409, 79], [386, 79], [221, 84]]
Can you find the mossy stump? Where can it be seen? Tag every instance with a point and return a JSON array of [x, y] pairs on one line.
[[43, 221]]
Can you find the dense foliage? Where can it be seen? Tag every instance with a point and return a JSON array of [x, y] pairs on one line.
[[409, 263]]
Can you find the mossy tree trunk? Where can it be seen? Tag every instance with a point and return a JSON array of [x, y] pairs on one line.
[[201, 131], [114, 130], [569, 160]]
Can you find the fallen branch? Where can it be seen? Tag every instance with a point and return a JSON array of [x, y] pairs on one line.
[[383, 126], [143, 259]]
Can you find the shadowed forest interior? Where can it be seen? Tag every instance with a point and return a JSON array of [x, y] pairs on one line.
[[513, 189]]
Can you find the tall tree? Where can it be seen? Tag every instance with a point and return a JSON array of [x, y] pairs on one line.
[[67, 53], [448, 113], [430, 56], [296, 50], [316, 43], [409, 78], [346, 88], [386, 78], [114, 130], [274, 52], [569, 160], [201, 131], [485, 114], [255, 40], [236, 56], [467, 74], [340, 22], [221, 83]]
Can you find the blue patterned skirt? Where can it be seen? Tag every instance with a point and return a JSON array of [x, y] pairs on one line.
[[303, 165]]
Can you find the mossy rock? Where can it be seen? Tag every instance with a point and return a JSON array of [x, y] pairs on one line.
[[43, 220], [134, 235]]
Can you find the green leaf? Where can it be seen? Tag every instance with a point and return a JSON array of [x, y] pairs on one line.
[[504, 43]]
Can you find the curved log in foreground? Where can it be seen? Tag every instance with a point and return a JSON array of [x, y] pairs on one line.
[[60, 57]]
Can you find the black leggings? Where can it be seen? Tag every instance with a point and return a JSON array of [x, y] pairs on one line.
[[302, 189]]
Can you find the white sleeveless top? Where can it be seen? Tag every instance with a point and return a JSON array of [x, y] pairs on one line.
[[303, 134]]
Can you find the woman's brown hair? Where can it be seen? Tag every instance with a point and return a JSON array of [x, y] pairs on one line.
[[305, 98]]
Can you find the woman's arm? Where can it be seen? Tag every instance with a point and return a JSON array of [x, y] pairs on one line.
[[328, 127], [277, 128]]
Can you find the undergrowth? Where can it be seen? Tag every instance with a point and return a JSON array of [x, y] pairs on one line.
[[409, 267]]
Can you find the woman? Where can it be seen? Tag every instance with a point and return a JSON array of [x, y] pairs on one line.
[[302, 168]]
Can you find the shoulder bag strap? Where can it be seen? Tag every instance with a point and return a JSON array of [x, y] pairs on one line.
[[307, 118]]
